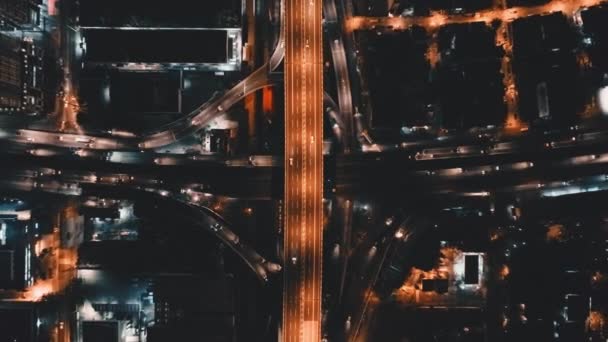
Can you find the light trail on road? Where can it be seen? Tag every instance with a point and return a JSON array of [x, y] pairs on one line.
[[303, 240]]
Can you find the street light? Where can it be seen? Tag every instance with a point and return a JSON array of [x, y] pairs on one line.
[[399, 234], [602, 96], [388, 221]]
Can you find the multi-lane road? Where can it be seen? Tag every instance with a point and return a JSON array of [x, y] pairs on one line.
[[338, 54], [303, 240], [437, 19]]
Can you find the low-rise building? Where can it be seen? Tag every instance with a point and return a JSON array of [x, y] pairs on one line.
[[191, 306], [15, 246], [18, 321], [220, 139]]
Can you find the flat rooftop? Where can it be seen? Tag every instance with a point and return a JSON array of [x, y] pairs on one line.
[[156, 46], [145, 13]]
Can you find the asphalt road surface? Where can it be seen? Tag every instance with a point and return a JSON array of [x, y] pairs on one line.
[[303, 241]]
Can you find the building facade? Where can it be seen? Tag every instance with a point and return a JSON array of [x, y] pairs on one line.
[[10, 74], [21, 76], [19, 14]]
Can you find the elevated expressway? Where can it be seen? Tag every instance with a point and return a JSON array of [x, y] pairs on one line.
[[194, 206], [181, 128], [303, 232], [168, 134], [338, 55]]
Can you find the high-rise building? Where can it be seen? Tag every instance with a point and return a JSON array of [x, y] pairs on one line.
[[19, 14], [33, 76], [10, 74], [21, 77]]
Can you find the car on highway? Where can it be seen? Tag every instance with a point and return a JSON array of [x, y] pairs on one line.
[[235, 239], [216, 227], [226, 233], [503, 147], [272, 267], [471, 150], [593, 136], [436, 152], [571, 141], [380, 28], [262, 273], [109, 179], [449, 172], [83, 140], [121, 133], [166, 160]]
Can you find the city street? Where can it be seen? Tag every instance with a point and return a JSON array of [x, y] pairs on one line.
[[437, 19]]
